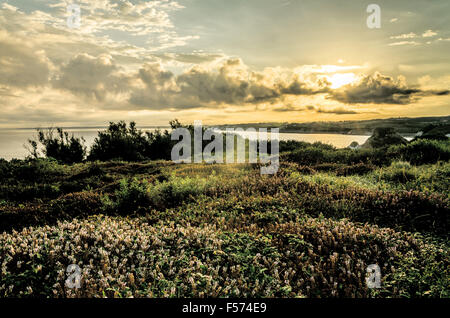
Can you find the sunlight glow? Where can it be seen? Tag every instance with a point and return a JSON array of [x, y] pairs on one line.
[[341, 79]]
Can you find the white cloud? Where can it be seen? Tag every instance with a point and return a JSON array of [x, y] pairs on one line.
[[136, 18], [410, 35], [429, 34], [404, 43], [20, 64], [49, 72], [92, 77]]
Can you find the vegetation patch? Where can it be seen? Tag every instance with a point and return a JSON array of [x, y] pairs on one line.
[[139, 227]]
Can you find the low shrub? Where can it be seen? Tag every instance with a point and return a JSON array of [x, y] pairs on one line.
[[31, 170], [398, 172], [422, 151], [18, 216], [313, 156], [179, 189], [22, 192], [66, 207], [132, 196], [75, 205], [198, 230]]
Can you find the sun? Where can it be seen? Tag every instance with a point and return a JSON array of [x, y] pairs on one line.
[[340, 79]]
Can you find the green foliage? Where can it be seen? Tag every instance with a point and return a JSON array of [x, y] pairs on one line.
[[314, 155], [291, 145], [119, 142], [422, 151], [312, 257], [60, 146], [36, 170], [30, 179], [139, 196], [345, 170], [383, 138], [197, 230], [398, 172], [132, 196], [435, 131], [122, 142], [177, 190], [425, 178], [417, 152]]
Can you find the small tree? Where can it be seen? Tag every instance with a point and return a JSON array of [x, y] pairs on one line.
[[119, 142], [59, 145], [122, 142], [159, 145]]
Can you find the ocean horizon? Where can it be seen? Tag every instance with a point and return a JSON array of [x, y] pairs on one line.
[[13, 141]]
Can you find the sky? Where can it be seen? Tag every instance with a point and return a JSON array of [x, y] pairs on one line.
[[221, 61]]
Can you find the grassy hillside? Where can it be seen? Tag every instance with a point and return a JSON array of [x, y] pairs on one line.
[[157, 229]]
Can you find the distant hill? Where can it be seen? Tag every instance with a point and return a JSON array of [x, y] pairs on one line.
[[403, 126], [438, 131]]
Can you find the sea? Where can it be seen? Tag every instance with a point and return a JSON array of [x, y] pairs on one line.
[[13, 142]]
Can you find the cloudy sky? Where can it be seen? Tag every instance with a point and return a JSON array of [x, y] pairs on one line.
[[221, 61]]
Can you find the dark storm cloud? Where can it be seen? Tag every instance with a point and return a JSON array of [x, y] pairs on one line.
[[336, 111], [229, 83], [380, 89]]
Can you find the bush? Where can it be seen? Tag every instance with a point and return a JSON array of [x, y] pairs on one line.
[[131, 197], [403, 176], [159, 145], [399, 172], [383, 137], [319, 154], [422, 151], [177, 190], [62, 147], [30, 170], [25, 192], [120, 142], [291, 145], [75, 205]]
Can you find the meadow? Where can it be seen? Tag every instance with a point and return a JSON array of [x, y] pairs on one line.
[[153, 228]]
